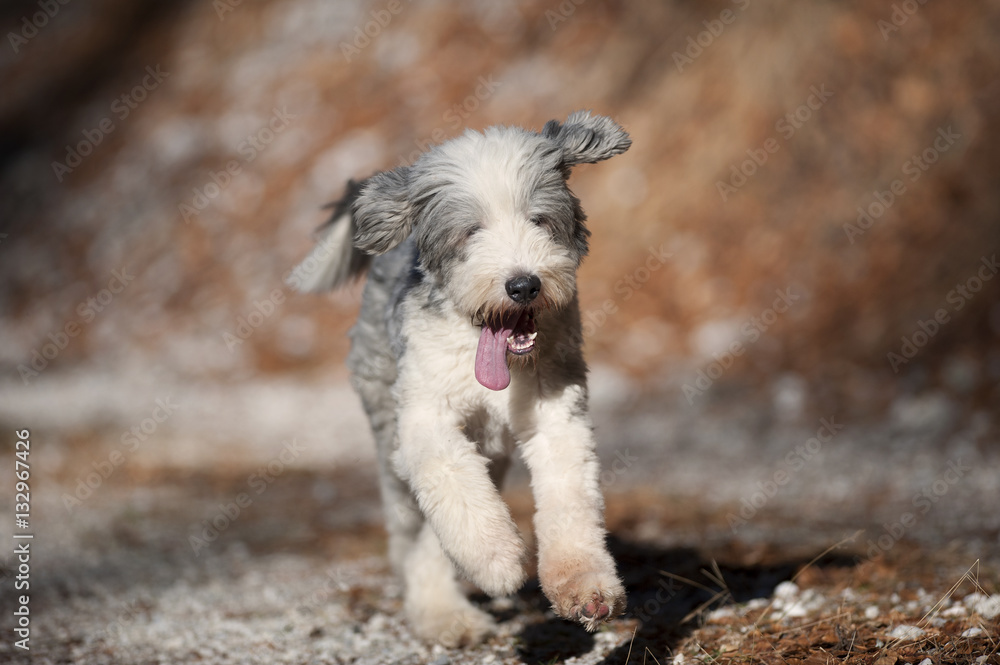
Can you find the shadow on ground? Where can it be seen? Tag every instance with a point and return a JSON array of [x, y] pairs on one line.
[[662, 603]]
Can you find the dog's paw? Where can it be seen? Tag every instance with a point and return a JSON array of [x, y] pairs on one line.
[[452, 629], [600, 607], [501, 571], [589, 597]]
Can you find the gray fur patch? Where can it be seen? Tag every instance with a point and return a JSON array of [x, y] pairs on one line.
[[376, 339], [383, 211], [586, 138]]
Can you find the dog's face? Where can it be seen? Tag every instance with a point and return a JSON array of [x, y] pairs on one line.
[[497, 229]]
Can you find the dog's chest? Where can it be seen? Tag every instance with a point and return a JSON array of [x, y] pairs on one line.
[[438, 365]]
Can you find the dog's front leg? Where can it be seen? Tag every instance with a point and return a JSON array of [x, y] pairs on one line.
[[576, 571], [452, 484]]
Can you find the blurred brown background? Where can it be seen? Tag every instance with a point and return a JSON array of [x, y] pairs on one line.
[[699, 106], [818, 182]]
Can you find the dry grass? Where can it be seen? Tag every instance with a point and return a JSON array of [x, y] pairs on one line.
[[843, 630]]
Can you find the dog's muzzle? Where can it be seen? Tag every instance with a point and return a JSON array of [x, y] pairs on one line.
[[513, 332]]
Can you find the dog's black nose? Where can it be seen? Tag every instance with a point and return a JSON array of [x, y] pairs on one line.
[[524, 288]]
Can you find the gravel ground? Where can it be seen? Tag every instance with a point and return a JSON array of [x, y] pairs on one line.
[[130, 572]]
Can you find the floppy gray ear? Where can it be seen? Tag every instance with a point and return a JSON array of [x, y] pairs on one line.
[[586, 138], [383, 212]]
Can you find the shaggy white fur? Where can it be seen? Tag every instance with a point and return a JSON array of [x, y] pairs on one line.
[[468, 346]]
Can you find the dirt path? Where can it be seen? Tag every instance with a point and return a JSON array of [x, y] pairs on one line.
[[133, 572]]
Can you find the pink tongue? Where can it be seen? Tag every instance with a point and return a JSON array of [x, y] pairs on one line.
[[491, 356]]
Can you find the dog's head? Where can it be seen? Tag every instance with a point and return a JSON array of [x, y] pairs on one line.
[[497, 228]]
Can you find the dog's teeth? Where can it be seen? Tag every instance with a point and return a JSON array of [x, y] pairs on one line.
[[533, 335]]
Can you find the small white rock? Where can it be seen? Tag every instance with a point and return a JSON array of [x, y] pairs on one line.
[[607, 637], [988, 607], [786, 590], [973, 599], [871, 612], [721, 615], [926, 661], [905, 632], [378, 622], [796, 610], [973, 632], [502, 604], [955, 611]]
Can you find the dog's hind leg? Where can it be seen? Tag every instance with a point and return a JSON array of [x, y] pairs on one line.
[[403, 520], [436, 607], [402, 516]]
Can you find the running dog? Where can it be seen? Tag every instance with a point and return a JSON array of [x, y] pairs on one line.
[[467, 347]]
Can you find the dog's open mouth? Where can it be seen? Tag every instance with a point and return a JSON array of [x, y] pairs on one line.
[[514, 333], [522, 338]]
